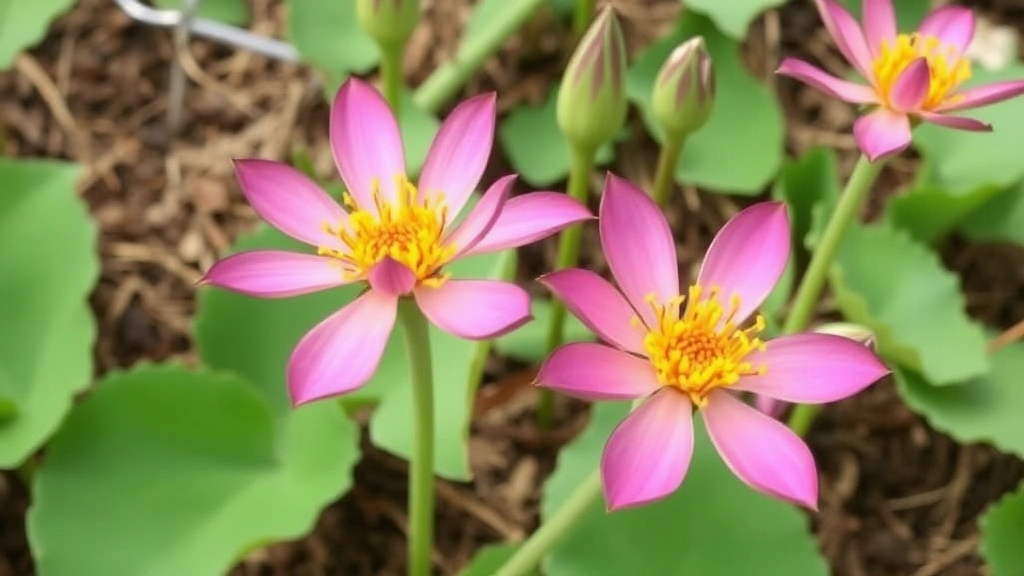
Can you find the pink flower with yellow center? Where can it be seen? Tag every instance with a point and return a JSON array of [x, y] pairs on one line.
[[395, 236], [911, 76], [696, 351]]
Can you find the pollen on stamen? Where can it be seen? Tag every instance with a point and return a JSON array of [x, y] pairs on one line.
[[701, 349]]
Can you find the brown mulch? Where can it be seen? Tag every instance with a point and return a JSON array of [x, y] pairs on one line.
[[897, 497]]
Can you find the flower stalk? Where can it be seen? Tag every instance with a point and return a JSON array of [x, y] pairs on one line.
[[850, 201], [668, 157], [421, 477], [580, 168]]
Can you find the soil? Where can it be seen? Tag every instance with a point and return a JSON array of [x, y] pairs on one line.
[[897, 498]]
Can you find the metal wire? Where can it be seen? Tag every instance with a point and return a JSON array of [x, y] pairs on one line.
[[210, 29]]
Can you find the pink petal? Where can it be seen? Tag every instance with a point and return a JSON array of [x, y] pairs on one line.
[[391, 278], [956, 122], [459, 153], [847, 34], [952, 25], [879, 24], [882, 133], [597, 372], [911, 87], [598, 305], [531, 217], [648, 454], [366, 143], [342, 352], [747, 256], [770, 406], [639, 246], [483, 216], [761, 451], [275, 274], [987, 94], [827, 83], [291, 202], [813, 368], [475, 309]]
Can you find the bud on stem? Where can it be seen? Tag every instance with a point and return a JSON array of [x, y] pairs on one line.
[[389, 22], [684, 92]]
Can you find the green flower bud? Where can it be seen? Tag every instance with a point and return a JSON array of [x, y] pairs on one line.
[[854, 332], [684, 92], [592, 98], [389, 22]]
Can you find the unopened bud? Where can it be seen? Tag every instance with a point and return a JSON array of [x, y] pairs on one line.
[[854, 332], [389, 22], [592, 98], [684, 92]]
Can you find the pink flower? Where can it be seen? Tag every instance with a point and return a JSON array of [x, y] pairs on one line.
[[680, 353], [393, 235], [911, 76]]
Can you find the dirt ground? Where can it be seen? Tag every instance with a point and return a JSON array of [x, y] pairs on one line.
[[897, 498]]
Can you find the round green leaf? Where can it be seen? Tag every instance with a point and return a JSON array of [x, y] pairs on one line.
[[999, 219], [928, 213], [49, 263], [720, 156], [535, 146], [985, 409], [1001, 528], [804, 184], [489, 559], [735, 16], [712, 525], [165, 471], [886, 281], [23, 23], [961, 162], [329, 37]]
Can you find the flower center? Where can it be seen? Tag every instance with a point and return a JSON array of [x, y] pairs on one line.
[[702, 349], [947, 69], [408, 231]]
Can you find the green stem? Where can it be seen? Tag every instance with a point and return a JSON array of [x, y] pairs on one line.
[[665, 175], [804, 303], [448, 78], [421, 479], [391, 74], [582, 17], [552, 530], [582, 164]]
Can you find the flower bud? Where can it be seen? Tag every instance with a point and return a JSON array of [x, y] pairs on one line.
[[684, 92], [854, 332], [389, 22], [592, 98]]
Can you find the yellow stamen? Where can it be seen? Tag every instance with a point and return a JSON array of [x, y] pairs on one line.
[[947, 69], [408, 230], [703, 349]]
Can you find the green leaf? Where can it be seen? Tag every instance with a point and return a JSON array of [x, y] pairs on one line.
[[929, 213], [735, 16], [329, 37], [961, 162], [235, 12], [909, 13], [490, 558], [697, 530], [49, 263], [528, 343], [886, 281], [1001, 527], [188, 470], [718, 157], [1000, 219], [805, 184], [985, 409], [23, 23], [535, 146], [255, 337]]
